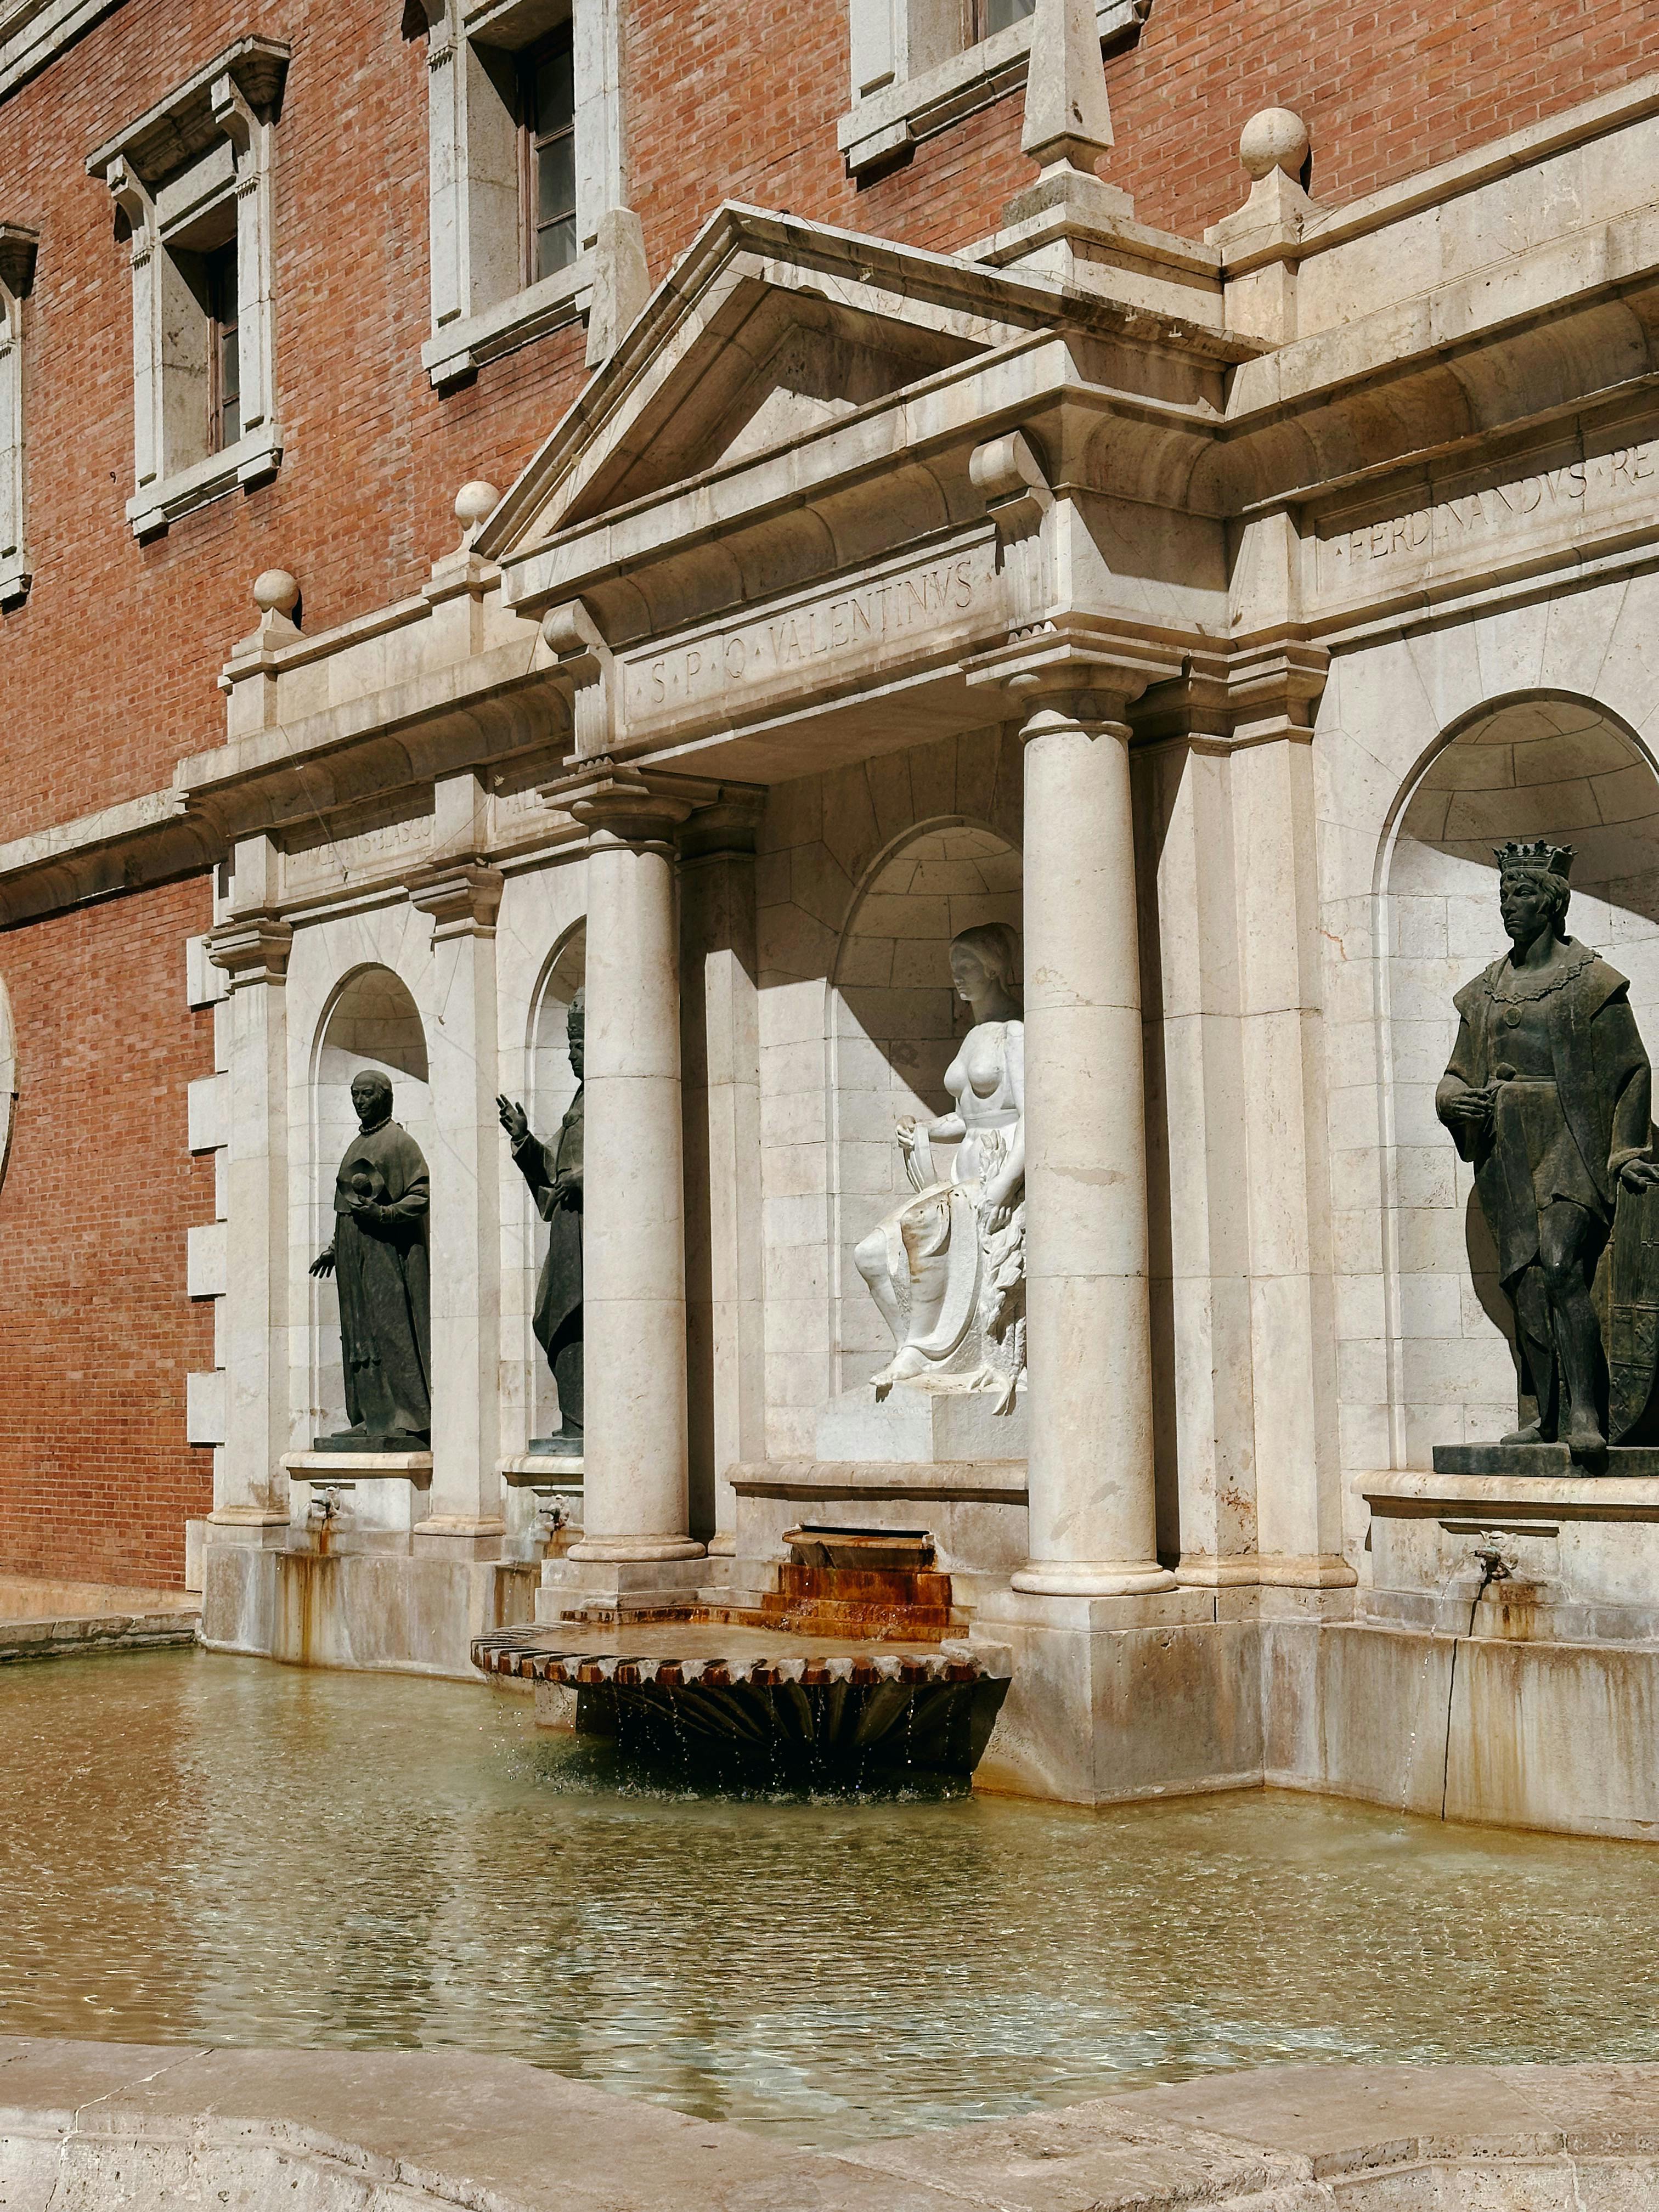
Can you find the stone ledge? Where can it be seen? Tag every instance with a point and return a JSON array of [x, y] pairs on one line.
[[351, 2130]]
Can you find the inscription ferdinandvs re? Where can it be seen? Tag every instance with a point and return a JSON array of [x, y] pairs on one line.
[[1467, 517], [862, 623]]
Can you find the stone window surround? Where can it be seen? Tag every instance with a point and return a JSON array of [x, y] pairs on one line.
[[895, 106], [209, 141], [470, 250], [33, 31], [18, 247]]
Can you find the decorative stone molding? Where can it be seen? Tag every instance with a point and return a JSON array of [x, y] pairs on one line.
[[903, 93], [252, 948], [33, 31], [1223, 701], [618, 802], [584, 669], [209, 146], [1007, 474], [481, 308], [18, 248], [462, 896]]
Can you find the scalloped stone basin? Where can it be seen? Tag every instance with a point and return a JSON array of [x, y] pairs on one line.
[[715, 1702]]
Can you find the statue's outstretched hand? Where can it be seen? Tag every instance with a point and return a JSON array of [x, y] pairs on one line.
[[324, 1262], [1640, 1174], [1471, 1107], [514, 1120]]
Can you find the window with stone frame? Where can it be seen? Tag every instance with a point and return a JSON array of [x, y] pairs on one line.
[[193, 182], [919, 66], [18, 247], [526, 144]]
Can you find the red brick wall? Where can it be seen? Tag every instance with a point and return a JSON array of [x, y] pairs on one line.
[[107, 674], [96, 1332]]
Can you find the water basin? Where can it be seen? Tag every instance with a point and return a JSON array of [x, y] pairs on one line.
[[197, 1847]]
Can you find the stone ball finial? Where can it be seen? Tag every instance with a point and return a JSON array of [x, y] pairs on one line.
[[1277, 138], [275, 592], [474, 501]]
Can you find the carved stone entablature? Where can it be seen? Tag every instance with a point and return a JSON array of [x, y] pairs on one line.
[[252, 948], [462, 896], [1221, 702]]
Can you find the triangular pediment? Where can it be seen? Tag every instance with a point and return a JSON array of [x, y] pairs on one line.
[[768, 330]]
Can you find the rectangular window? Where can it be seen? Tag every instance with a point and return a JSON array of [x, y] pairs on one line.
[[224, 360], [993, 15], [547, 130]]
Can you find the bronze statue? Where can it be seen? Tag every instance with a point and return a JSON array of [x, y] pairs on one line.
[[554, 1173], [1546, 1093], [378, 1257]]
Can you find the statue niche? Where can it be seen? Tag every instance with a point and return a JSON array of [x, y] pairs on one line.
[[947, 1266], [1547, 1096], [379, 1258], [554, 1173]]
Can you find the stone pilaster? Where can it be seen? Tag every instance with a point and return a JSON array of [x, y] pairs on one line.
[[719, 1045], [462, 897], [252, 947]]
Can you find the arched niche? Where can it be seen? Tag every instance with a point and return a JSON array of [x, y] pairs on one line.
[[552, 1087], [1552, 766], [895, 1024], [373, 1022], [8, 1080]]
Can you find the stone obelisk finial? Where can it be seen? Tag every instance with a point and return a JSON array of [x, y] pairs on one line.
[[1068, 116], [1068, 119]]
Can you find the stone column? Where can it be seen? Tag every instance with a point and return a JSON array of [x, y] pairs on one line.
[[463, 898], [633, 1212], [719, 1042], [1093, 1507]]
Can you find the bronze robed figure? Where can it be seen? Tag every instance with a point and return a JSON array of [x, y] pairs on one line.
[[1547, 1095], [553, 1172], [378, 1257]]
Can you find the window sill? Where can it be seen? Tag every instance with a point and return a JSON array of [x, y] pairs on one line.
[[460, 348], [17, 570], [33, 31], [886, 122], [247, 463]]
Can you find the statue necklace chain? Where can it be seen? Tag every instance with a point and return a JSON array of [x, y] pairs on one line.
[[1508, 995]]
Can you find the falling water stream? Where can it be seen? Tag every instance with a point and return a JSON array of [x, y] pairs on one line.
[[197, 1848]]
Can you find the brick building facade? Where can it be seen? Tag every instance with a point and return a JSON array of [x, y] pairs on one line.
[[274, 286]]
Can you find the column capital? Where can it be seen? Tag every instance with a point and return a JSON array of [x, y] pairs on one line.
[[1257, 694], [613, 800], [727, 825], [1074, 669], [462, 896], [252, 948]]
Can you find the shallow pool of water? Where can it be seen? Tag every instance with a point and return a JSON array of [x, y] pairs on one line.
[[206, 1848]]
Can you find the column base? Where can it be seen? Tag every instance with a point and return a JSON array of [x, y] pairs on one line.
[[573, 1586], [1093, 1578], [619, 1551], [459, 1536]]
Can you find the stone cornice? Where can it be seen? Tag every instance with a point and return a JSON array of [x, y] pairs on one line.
[[126, 847], [462, 897], [184, 123]]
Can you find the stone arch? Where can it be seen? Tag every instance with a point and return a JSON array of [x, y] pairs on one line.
[[893, 1026], [8, 1079], [1538, 764], [371, 1021]]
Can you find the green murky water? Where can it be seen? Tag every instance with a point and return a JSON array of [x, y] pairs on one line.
[[208, 1848]]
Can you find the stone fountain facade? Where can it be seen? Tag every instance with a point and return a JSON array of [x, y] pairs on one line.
[[1200, 611]]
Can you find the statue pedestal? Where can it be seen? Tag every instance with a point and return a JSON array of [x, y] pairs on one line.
[[929, 1427], [1515, 1543]]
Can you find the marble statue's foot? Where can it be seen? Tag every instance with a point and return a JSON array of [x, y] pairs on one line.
[[906, 1364], [1532, 1434]]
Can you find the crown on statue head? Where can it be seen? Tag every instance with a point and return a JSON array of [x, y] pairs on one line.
[[1535, 853]]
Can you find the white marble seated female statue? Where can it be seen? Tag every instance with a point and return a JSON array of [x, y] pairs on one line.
[[947, 1268]]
